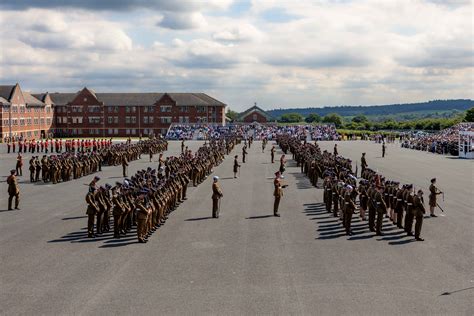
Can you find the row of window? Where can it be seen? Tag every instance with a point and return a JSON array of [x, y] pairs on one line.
[[115, 120], [114, 131], [24, 109], [26, 122], [128, 109]]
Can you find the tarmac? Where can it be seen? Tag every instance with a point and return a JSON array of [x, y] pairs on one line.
[[247, 261]]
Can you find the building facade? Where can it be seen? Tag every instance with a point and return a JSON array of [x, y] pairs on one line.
[[90, 114], [255, 114], [22, 114]]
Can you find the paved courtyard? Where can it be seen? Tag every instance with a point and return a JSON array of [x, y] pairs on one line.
[[247, 261]]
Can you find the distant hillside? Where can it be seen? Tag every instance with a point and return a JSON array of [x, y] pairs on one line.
[[436, 108]]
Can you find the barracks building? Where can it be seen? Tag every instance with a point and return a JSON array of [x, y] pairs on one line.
[[89, 114]]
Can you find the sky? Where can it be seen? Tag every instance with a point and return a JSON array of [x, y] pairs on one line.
[[280, 54]]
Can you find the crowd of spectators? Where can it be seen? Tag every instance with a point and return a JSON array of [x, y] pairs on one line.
[[443, 142]]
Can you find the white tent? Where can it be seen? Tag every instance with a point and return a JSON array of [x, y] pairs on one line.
[[466, 144]]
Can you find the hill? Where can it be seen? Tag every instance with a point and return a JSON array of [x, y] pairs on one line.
[[436, 108]]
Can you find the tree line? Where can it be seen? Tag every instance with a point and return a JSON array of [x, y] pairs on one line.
[[362, 122]]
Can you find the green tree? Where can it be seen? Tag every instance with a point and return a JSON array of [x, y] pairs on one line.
[[291, 118], [359, 118], [313, 118], [469, 117], [334, 118], [232, 115]]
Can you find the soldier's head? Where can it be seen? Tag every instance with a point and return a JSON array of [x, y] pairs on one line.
[[215, 178], [420, 193], [433, 180], [12, 172]]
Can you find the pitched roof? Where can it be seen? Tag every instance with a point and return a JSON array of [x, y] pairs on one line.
[[6, 91], [197, 99], [30, 100], [255, 109], [4, 101], [129, 98], [136, 99]]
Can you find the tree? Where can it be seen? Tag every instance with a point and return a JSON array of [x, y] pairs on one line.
[[469, 117], [359, 118], [334, 118], [313, 118], [232, 115], [291, 118]]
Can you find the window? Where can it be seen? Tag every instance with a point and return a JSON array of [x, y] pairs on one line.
[[94, 109], [127, 109], [201, 109], [165, 119], [48, 121], [149, 109], [165, 108], [14, 109], [28, 110], [134, 109], [77, 120], [110, 120], [42, 121], [14, 122], [5, 122], [145, 120], [254, 117], [112, 109], [134, 119], [127, 131], [110, 131], [76, 109], [127, 119], [22, 109], [28, 121], [183, 109], [116, 119], [184, 119], [94, 120], [36, 121], [151, 119], [22, 122], [116, 131], [134, 131]]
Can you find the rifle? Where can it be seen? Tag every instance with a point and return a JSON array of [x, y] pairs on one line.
[[440, 207]]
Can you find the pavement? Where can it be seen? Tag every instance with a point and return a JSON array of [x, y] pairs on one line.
[[247, 261]]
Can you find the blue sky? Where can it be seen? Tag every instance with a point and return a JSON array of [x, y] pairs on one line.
[[276, 53]]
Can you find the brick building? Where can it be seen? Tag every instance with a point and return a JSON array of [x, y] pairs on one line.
[[255, 114], [90, 114], [22, 114]]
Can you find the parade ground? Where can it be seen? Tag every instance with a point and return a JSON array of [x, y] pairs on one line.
[[246, 262]]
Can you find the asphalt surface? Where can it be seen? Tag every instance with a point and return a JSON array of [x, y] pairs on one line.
[[247, 261]]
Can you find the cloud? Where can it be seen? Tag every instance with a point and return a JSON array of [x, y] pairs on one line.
[[119, 5], [182, 21], [243, 32]]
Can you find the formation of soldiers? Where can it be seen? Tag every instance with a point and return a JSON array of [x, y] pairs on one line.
[[378, 196], [57, 145], [147, 198], [70, 165]]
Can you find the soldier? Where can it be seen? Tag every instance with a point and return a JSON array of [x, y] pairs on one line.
[[32, 169], [244, 153], [19, 165], [216, 196], [383, 149], [282, 165], [38, 169], [419, 211], [272, 153], [381, 209], [236, 166], [363, 163], [408, 198], [92, 210], [433, 193], [277, 193], [335, 150], [124, 164], [363, 199], [349, 208], [13, 190], [142, 216]]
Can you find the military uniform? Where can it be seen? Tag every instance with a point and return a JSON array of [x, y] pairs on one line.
[[13, 190]]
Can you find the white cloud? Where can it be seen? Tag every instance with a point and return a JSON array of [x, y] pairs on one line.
[[334, 52]]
